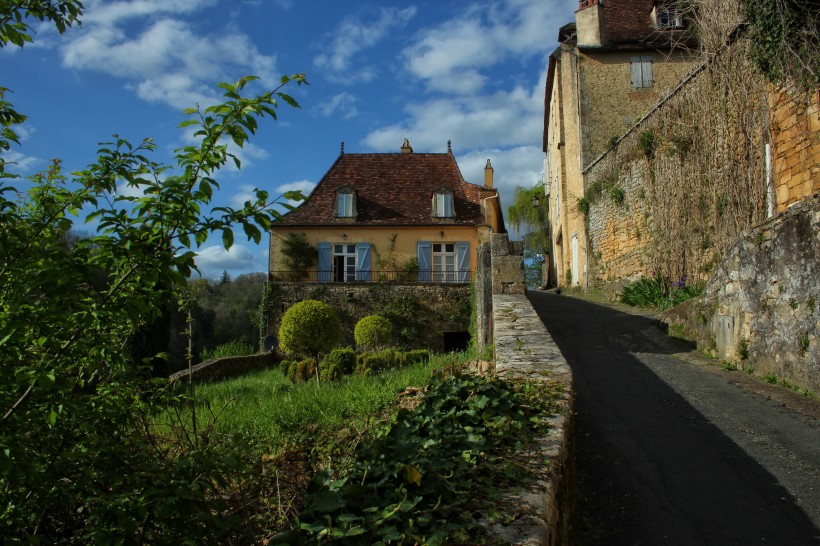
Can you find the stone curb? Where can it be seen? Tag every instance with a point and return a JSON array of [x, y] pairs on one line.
[[524, 348]]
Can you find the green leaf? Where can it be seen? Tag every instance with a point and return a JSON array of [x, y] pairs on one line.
[[227, 238]]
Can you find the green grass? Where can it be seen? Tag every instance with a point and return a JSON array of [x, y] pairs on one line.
[[268, 407]]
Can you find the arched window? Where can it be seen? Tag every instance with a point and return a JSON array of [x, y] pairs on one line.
[[443, 203], [345, 202]]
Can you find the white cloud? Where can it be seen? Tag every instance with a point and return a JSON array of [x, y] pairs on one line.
[[449, 57], [163, 59], [213, 260], [519, 166], [244, 193], [342, 105], [354, 36], [22, 163]]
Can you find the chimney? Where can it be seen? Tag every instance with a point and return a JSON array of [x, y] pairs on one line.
[[488, 176], [589, 23], [405, 147]]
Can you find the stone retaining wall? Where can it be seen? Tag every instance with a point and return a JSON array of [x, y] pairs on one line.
[[229, 366], [524, 348]]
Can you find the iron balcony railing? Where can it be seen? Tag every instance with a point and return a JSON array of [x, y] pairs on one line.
[[392, 277]]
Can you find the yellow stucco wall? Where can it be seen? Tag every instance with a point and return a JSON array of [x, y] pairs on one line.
[[391, 246]]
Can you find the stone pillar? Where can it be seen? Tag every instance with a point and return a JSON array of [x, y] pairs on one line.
[[507, 265], [484, 298]]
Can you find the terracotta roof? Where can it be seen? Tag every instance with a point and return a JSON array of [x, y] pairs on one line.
[[392, 189]]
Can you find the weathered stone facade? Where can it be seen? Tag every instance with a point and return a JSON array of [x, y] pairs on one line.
[[762, 306], [795, 127]]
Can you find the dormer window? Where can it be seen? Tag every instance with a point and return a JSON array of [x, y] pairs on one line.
[[443, 203], [345, 203], [667, 16]]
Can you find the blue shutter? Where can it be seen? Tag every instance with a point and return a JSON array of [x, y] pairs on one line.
[[635, 71], [463, 256], [324, 263], [425, 256], [363, 262]]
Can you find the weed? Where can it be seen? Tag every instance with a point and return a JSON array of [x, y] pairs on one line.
[[701, 318], [678, 330], [646, 143], [793, 303], [583, 206], [770, 378], [742, 349], [811, 304], [803, 343], [727, 366], [759, 238], [617, 194]]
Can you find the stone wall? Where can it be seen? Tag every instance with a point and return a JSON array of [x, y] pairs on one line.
[[230, 366], [761, 309], [795, 126], [420, 313]]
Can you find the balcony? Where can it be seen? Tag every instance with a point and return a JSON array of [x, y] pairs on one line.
[[369, 277]]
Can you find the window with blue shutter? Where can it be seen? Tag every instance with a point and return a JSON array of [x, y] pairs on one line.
[[640, 69], [425, 252], [323, 274], [363, 262], [463, 256]]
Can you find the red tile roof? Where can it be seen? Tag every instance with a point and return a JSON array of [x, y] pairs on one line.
[[392, 189]]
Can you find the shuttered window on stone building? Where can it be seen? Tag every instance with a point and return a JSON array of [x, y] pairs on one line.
[[641, 71]]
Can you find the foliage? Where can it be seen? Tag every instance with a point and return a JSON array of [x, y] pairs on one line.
[[80, 462], [785, 36], [646, 143], [301, 371], [298, 254], [617, 194], [422, 481], [373, 331], [583, 205], [658, 292], [532, 223], [309, 328], [338, 363], [232, 348], [742, 349]]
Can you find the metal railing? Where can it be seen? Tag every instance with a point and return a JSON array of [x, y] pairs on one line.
[[390, 277]]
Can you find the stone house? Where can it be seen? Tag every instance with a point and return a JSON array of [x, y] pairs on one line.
[[614, 63], [390, 217]]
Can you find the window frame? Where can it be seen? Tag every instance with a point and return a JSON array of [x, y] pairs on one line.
[[345, 203], [443, 199]]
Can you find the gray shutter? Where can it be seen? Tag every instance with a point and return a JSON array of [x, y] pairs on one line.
[[646, 71], [425, 257], [363, 262], [635, 71], [324, 262], [463, 257]]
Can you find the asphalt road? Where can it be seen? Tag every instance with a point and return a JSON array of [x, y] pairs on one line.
[[672, 451]]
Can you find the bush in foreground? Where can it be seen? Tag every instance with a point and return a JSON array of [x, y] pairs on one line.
[[309, 328]]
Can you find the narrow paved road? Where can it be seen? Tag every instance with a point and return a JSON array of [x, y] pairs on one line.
[[669, 452]]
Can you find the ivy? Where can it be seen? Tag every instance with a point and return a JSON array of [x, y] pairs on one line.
[[423, 480]]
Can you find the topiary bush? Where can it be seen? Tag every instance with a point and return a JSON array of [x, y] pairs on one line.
[[338, 363], [373, 331], [309, 328], [416, 356], [300, 371]]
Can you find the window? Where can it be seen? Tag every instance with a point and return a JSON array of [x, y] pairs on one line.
[[344, 262], [443, 204], [444, 262], [670, 18], [641, 71], [345, 198]]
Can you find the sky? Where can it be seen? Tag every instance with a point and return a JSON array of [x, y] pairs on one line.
[[470, 72]]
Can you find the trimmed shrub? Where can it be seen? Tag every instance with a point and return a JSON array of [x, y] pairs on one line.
[[337, 363], [373, 331], [301, 371], [416, 356], [284, 366], [309, 328]]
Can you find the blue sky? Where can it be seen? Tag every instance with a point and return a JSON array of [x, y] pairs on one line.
[[471, 72]]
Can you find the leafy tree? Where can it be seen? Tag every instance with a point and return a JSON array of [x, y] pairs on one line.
[[531, 221], [373, 331], [299, 255], [309, 328], [81, 460]]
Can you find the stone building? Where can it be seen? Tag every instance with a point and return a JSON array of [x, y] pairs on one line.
[[614, 63]]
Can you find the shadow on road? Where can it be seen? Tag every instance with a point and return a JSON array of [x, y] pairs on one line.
[[651, 468]]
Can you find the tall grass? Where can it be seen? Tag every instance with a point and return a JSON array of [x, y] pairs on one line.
[[655, 292], [266, 406]]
